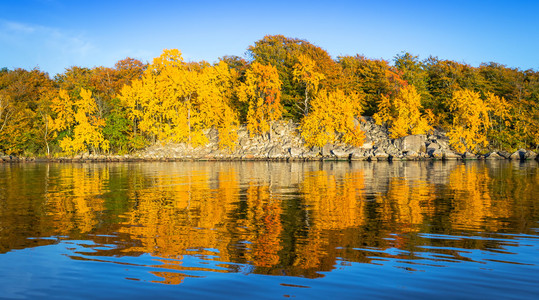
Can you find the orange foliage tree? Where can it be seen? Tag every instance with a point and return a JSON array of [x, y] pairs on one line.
[[262, 90]]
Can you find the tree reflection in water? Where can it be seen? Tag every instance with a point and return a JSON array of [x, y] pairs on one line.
[[296, 219]]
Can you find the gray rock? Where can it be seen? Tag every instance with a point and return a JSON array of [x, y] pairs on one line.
[[243, 141], [368, 145], [436, 153], [380, 154], [469, 155], [359, 154], [213, 134], [275, 152], [451, 155], [493, 155], [392, 150], [279, 128], [410, 142], [523, 154], [326, 150], [295, 152], [504, 154], [311, 154], [433, 146], [411, 155], [340, 153], [520, 154]]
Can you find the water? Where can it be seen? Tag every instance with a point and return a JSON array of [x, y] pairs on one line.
[[270, 230]]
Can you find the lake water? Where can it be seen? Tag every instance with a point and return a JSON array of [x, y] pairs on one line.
[[316, 230]]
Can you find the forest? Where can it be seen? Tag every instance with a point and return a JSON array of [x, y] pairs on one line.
[[134, 104]]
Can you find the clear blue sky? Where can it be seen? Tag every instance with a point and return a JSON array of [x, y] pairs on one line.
[[56, 34]]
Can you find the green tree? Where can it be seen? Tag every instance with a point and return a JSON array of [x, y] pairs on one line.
[[372, 77], [283, 53]]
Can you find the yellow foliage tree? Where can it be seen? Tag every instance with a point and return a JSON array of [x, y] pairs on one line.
[[471, 121], [500, 117], [304, 73], [262, 90], [176, 101], [214, 95], [403, 113], [79, 118], [160, 103], [332, 119]]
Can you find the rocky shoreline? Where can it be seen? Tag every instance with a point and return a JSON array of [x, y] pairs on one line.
[[284, 142]]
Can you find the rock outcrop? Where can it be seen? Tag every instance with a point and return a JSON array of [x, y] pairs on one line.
[[284, 142]]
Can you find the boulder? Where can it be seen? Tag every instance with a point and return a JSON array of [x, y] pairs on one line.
[[368, 145], [520, 154], [359, 154], [275, 152], [326, 150], [212, 134], [294, 152], [340, 153], [380, 154], [531, 155], [410, 142], [279, 128], [311, 154], [469, 155], [432, 146], [437, 154], [493, 155], [411, 155], [451, 155], [504, 154]]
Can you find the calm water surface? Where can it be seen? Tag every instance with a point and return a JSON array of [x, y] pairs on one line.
[[270, 230]]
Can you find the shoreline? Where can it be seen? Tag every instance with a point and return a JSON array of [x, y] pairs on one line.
[[112, 158], [283, 142]]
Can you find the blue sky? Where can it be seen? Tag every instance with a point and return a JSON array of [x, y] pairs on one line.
[[56, 34]]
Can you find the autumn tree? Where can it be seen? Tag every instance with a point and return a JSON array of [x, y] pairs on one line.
[[215, 93], [283, 53], [375, 78], [159, 104], [444, 78], [20, 94], [79, 118], [518, 90], [304, 73], [176, 101], [403, 113], [414, 72], [333, 119], [471, 121], [262, 90]]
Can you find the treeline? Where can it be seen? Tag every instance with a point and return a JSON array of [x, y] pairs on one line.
[[125, 108]]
